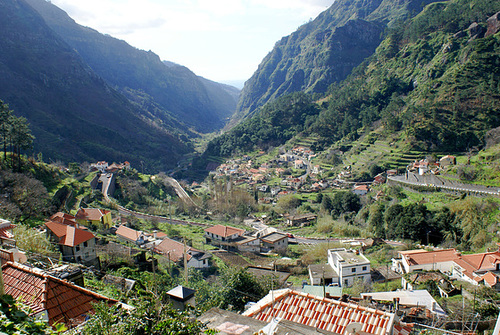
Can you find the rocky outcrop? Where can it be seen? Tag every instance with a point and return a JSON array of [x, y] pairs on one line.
[[492, 137], [493, 25], [475, 31]]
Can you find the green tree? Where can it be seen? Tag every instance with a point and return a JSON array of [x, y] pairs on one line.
[[149, 317], [5, 125], [14, 319]]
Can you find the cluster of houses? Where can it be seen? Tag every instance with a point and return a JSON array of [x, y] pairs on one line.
[[243, 171], [477, 269], [236, 239], [424, 166], [105, 167]]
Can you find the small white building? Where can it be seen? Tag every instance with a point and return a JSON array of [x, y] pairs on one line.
[[349, 265]]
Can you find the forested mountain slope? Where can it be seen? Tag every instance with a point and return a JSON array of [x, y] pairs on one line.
[[433, 81], [175, 91], [74, 114], [323, 51]]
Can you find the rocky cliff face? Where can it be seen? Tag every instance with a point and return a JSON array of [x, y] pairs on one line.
[[323, 51]]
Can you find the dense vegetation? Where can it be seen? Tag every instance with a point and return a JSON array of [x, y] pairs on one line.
[[274, 125], [323, 51], [430, 80]]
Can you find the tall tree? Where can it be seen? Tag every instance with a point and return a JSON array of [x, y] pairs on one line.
[[5, 119]]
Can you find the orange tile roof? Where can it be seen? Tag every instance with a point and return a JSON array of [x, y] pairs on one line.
[[475, 262], [63, 218], [490, 278], [63, 301], [420, 257], [128, 233], [69, 235], [6, 232], [224, 231], [174, 249], [323, 313], [93, 214]]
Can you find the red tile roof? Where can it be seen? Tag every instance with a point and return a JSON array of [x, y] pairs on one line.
[[69, 235], [93, 214], [323, 313], [64, 218], [419, 257], [174, 249], [128, 233], [224, 231], [63, 301], [6, 232], [477, 262]]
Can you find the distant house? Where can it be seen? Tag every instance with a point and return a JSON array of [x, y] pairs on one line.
[[247, 244], [94, 217], [220, 233], [413, 260], [301, 219], [181, 296], [174, 251], [379, 179], [275, 241], [299, 164], [350, 265], [100, 166], [131, 235], [343, 268], [295, 182], [50, 298], [64, 218], [75, 244], [7, 233], [361, 189]]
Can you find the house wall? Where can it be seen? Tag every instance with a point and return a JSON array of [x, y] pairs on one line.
[[253, 246], [194, 263], [348, 273], [82, 253], [441, 266], [281, 245]]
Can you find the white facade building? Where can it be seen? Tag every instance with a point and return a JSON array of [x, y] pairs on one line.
[[349, 265]]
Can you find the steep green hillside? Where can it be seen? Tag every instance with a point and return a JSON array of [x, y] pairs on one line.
[[73, 113], [432, 84], [438, 83], [323, 51], [182, 99]]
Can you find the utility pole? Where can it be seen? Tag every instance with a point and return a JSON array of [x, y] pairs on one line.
[[185, 262]]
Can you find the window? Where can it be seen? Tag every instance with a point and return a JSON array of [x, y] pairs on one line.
[[77, 248], [353, 270], [85, 244], [346, 282], [364, 268]]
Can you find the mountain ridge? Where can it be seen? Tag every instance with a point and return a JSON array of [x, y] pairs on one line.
[[323, 51], [180, 93], [73, 112]]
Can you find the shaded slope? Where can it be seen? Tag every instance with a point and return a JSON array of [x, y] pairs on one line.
[[175, 89], [73, 113]]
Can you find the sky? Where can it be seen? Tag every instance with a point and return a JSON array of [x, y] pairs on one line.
[[221, 40]]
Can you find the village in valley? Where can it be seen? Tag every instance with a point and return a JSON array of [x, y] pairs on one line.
[[395, 295]]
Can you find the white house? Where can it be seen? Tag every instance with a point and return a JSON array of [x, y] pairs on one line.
[[349, 265], [412, 260]]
